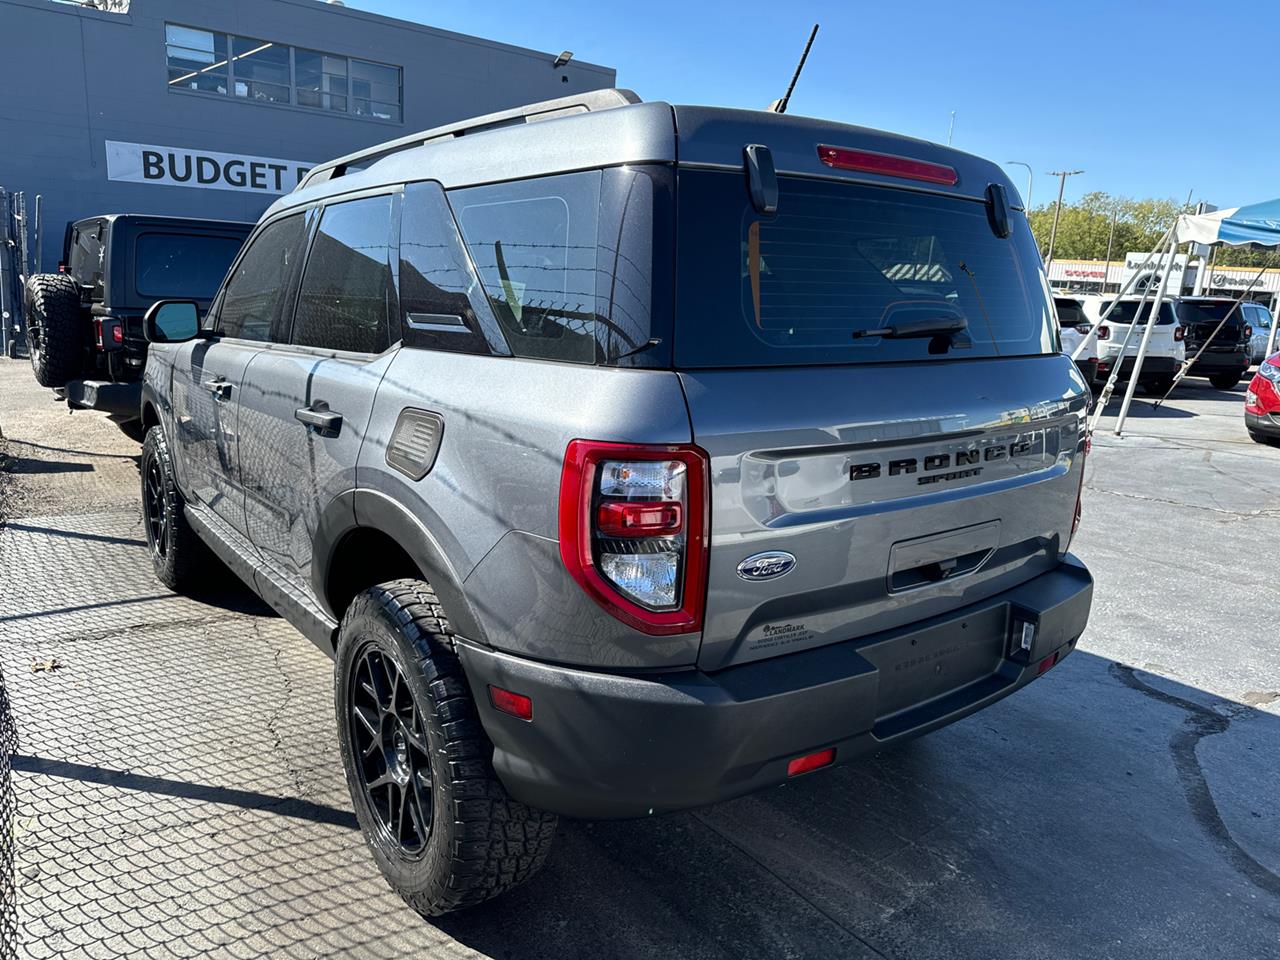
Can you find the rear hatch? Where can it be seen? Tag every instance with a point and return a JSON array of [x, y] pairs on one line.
[[1164, 338], [859, 483], [1200, 318]]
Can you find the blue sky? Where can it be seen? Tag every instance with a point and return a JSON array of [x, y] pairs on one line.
[[1079, 85]]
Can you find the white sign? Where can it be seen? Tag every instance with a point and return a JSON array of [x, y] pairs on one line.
[[204, 169], [1151, 273]]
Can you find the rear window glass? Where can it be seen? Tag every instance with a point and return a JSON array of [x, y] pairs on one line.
[[838, 258], [182, 265], [1210, 311], [1126, 310], [1070, 312]]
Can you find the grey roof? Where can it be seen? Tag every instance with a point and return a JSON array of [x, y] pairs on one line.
[[628, 131]]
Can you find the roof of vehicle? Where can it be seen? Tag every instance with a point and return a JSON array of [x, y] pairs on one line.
[[168, 221], [570, 136]]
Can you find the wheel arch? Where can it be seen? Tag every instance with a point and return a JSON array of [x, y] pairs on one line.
[[364, 538]]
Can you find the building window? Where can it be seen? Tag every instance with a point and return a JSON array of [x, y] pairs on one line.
[[375, 90], [321, 80], [261, 70], [197, 59]]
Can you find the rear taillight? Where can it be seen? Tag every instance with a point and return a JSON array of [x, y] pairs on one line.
[[891, 165], [1179, 333], [634, 530], [1104, 332]]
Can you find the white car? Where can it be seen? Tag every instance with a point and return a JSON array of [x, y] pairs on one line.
[[1259, 318], [1074, 326], [1165, 352]]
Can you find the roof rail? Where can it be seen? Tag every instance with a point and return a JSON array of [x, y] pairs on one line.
[[588, 102]]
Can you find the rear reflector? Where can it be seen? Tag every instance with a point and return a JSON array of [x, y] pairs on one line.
[[117, 333], [1046, 663], [629, 518], [515, 704], [867, 161], [813, 761]]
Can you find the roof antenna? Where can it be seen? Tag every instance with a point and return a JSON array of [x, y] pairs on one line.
[[780, 106]]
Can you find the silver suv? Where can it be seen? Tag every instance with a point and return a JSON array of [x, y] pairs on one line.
[[627, 458]]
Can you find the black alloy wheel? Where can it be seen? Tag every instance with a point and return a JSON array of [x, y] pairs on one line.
[[392, 755], [153, 505]]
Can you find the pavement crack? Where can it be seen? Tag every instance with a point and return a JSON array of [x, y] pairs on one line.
[[750, 854], [1233, 514], [1201, 722], [273, 719]]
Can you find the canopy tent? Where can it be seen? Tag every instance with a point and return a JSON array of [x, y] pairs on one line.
[[1256, 223]]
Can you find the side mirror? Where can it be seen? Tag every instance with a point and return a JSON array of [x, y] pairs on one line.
[[172, 321]]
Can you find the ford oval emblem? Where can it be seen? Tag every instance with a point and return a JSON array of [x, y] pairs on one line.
[[767, 566]]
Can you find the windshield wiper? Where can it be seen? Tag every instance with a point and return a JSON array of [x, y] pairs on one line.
[[940, 331]]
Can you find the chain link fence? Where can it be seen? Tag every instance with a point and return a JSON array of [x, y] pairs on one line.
[[8, 826]]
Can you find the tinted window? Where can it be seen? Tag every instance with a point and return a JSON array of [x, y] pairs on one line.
[[1210, 312], [182, 266], [441, 301], [347, 284], [1261, 317], [534, 244], [840, 258], [252, 296], [1126, 310], [1070, 312], [84, 259]]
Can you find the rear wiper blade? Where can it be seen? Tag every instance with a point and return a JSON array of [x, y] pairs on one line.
[[917, 329]]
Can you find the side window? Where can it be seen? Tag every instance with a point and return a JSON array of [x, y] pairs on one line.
[[442, 304], [252, 297], [346, 288], [534, 243]]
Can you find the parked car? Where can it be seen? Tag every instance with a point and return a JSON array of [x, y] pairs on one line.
[[1260, 319], [607, 496], [1226, 358], [84, 323], [1262, 402], [1075, 326], [1165, 352]]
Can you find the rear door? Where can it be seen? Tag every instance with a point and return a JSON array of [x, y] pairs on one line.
[[1222, 320], [209, 372], [308, 395], [894, 479]]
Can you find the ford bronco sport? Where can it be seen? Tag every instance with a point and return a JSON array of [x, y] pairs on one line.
[[627, 458]]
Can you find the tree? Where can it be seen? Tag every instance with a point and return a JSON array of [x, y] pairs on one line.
[[1084, 226]]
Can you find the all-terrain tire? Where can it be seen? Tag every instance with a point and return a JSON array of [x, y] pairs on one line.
[[480, 842], [1225, 381], [57, 331], [178, 555]]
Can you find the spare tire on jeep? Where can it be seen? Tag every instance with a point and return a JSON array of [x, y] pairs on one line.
[[56, 330]]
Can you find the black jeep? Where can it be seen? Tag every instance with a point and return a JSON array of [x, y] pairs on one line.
[[84, 323]]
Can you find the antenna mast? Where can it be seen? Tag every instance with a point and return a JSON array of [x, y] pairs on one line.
[[780, 106]]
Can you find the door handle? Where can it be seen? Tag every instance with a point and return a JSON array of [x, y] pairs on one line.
[[320, 418], [220, 387]]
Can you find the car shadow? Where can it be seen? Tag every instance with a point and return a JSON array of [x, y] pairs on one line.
[[1090, 792]]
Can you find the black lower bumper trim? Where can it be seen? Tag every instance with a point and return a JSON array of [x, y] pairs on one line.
[[609, 745], [1265, 425], [122, 400]]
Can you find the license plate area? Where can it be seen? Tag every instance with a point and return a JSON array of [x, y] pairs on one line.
[[922, 666]]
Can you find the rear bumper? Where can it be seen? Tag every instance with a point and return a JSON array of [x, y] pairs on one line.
[[122, 400], [609, 745], [1235, 362], [1266, 424], [1151, 366]]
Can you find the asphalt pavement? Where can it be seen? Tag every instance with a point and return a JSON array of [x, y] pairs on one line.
[[179, 789]]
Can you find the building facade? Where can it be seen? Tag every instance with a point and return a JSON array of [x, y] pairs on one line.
[[213, 108]]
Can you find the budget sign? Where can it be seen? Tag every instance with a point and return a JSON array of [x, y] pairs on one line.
[[205, 169]]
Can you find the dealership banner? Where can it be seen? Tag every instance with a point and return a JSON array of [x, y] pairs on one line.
[[205, 169]]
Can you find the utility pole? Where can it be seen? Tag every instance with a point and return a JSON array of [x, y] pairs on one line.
[[1115, 211], [1057, 212], [1027, 198]]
